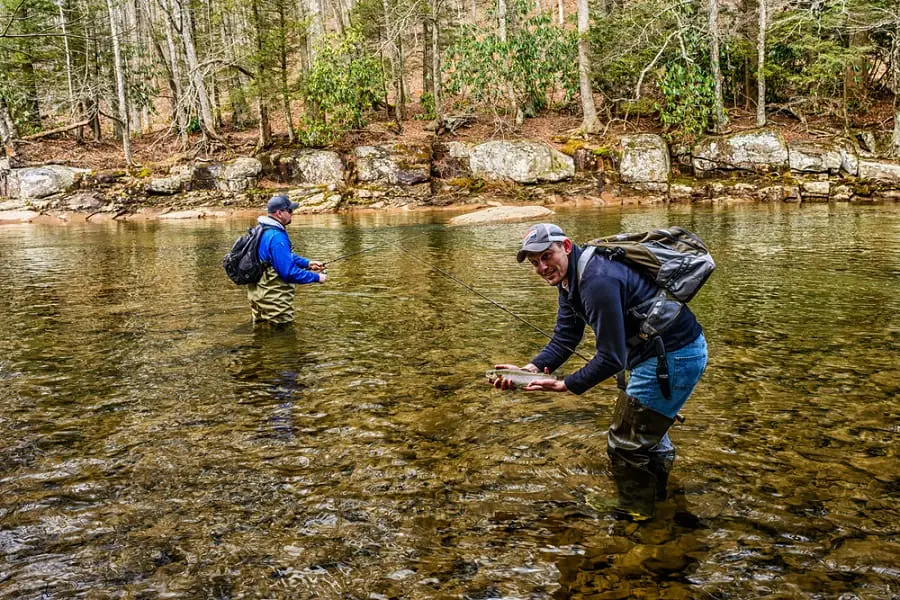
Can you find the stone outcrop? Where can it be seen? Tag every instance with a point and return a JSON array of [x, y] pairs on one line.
[[759, 150], [314, 167], [393, 164], [880, 172], [501, 214], [315, 198], [522, 162], [806, 157], [645, 159]]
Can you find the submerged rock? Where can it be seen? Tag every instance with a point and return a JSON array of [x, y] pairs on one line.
[[501, 214]]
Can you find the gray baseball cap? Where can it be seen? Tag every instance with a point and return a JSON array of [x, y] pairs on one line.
[[281, 202], [538, 238]]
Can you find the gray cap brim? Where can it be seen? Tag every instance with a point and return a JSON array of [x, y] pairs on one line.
[[294, 206], [527, 249]]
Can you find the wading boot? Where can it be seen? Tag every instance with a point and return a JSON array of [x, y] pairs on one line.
[[641, 476]]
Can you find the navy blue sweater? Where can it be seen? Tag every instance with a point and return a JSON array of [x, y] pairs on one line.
[[608, 289]]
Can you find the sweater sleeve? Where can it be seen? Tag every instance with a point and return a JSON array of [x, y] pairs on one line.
[[566, 336], [604, 304], [289, 266]]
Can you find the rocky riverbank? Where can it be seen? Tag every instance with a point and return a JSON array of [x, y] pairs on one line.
[[755, 165]]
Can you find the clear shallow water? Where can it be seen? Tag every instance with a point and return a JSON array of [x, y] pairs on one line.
[[153, 445]]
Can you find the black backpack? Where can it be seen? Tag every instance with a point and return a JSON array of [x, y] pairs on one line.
[[242, 264]]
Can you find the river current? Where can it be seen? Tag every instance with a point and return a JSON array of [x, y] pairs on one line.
[[154, 445]]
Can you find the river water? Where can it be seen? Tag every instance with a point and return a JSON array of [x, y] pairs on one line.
[[153, 445]]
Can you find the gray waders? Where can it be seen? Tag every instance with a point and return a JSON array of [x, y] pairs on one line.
[[640, 473]]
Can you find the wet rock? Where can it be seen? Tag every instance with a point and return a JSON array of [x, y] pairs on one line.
[[761, 150], [887, 195], [645, 159], [815, 190], [680, 193], [86, 201], [814, 158], [651, 187], [393, 164], [841, 193], [501, 214], [772, 193], [522, 162], [200, 213], [849, 158], [14, 204], [18, 216], [880, 171]]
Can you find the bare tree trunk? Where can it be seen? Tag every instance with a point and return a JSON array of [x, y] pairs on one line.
[[265, 129], [895, 65], [62, 25], [8, 131], [393, 61], [590, 124], [760, 66], [427, 87], [436, 63], [315, 29], [721, 121], [194, 73], [120, 83], [510, 91], [562, 12], [285, 92]]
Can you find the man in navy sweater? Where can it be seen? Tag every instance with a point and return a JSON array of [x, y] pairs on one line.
[[601, 296], [272, 297]]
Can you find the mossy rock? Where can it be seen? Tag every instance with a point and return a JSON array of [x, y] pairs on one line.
[[571, 146]]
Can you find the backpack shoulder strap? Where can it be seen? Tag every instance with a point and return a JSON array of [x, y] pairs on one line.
[[583, 260]]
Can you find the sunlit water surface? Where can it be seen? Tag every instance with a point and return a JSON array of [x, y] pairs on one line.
[[152, 445]]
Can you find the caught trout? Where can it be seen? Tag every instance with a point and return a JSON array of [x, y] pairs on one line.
[[517, 377]]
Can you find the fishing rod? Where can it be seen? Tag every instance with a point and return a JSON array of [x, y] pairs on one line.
[[480, 295], [343, 256]]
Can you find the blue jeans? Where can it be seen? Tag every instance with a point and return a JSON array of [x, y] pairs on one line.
[[686, 365]]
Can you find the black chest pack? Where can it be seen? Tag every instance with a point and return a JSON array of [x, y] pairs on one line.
[[677, 261], [242, 264]]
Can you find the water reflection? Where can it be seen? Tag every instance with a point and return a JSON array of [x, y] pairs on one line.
[[155, 444]]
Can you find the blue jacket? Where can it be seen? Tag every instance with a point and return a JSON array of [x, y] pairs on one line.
[[608, 289], [275, 249]]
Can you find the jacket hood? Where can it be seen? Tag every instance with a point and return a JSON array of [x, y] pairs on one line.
[[270, 222]]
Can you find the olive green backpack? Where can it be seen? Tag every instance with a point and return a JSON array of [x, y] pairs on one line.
[[676, 260]]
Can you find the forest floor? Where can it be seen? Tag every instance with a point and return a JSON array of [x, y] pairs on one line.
[[156, 151]]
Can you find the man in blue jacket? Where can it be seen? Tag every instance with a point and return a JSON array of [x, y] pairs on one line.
[[601, 296], [272, 297]]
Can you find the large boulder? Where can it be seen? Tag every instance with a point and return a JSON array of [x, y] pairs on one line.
[[645, 159], [806, 157], [393, 164], [760, 150], [522, 162], [39, 182], [238, 175], [315, 167], [501, 214], [880, 171]]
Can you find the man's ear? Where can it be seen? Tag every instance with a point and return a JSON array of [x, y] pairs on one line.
[[567, 246]]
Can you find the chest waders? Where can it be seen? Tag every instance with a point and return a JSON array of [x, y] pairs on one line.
[[271, 299], [641, 475]]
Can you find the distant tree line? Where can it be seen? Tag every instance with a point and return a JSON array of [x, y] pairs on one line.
[[116, 67]]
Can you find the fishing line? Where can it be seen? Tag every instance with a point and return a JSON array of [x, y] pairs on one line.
[[480, 295], [343, 256]]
